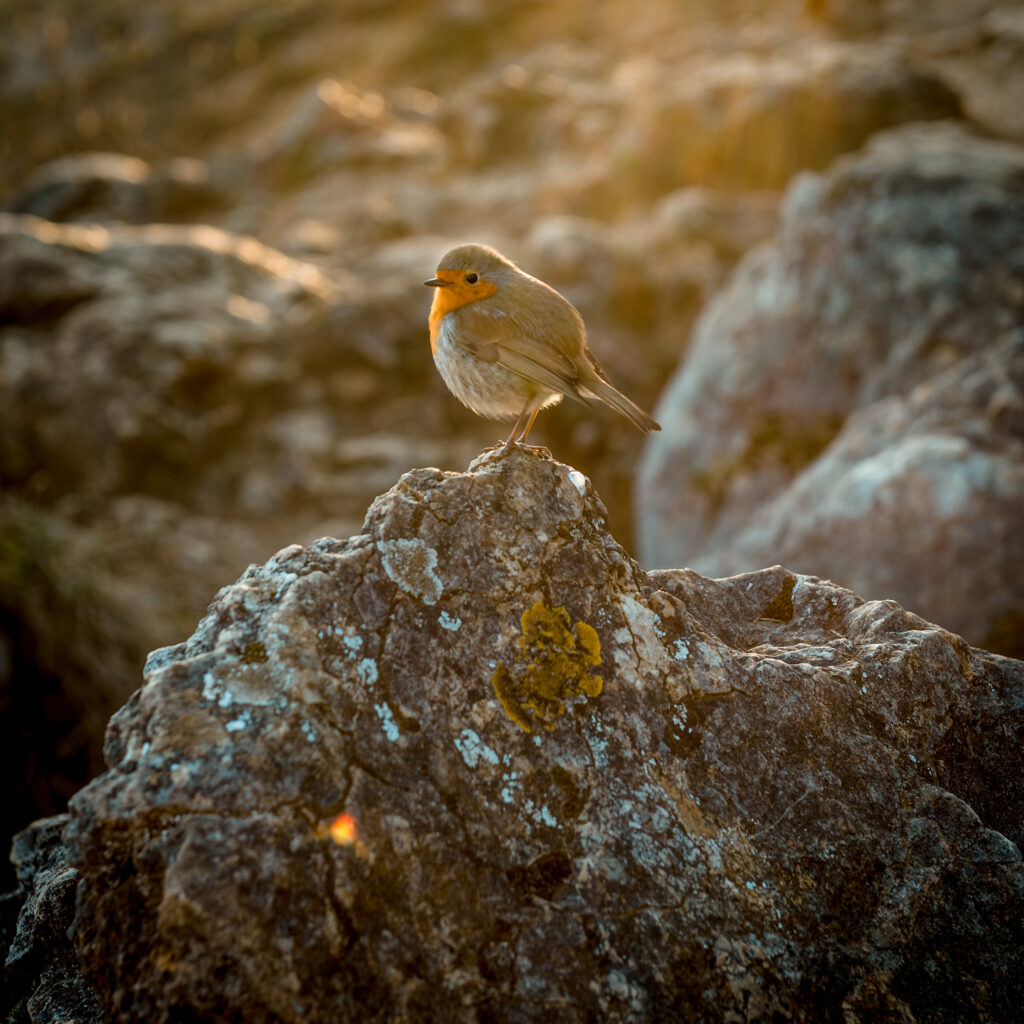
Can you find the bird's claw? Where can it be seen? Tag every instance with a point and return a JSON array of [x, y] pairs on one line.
[[504, 447]]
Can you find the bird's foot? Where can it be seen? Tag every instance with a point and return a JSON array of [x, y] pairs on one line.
[[536, 449], [498, 446], [504, 447]]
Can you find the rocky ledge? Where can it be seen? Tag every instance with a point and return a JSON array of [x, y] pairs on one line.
[[475, 764]]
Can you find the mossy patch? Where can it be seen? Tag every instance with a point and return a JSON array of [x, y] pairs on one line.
[[554, 666]]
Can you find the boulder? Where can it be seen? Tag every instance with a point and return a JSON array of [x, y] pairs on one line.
[[113, 186], [41, 970], [851, 400], [940, 469], [473, 763], [130, 356]]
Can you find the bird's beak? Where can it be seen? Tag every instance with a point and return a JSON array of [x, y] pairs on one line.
[[436, 282]]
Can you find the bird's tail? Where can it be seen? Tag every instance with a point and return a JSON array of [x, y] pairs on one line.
[[600, 388]]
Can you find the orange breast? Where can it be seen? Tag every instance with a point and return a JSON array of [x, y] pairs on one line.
[[455, 296]]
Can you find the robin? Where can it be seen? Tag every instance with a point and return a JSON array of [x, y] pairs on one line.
[[508, 345]]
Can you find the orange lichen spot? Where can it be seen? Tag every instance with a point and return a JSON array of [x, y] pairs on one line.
[[340, 830], [553, 667]]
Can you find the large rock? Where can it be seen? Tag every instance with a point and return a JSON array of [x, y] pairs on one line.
[[41, 971], [473, 763], [112, 186], [938, 470], [852, 402], [131, 356], [196, 365]]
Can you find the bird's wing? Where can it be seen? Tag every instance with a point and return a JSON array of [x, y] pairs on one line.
[[522, 347], [541, 372]]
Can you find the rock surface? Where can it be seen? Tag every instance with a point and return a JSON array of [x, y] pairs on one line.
[[940, 469], [165, 403], [40, 966], [139, 350], [473, 763], [111, 186], [853, 400]]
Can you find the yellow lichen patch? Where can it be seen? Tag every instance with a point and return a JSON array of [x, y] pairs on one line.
[[553, 667], [506, 692], [254, 654]]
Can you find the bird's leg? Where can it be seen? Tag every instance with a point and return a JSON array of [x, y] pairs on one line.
[[522, 428], [533, 416], [513, 438], [518, 437]]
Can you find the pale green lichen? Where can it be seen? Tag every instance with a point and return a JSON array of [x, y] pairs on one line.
[[410, 563], [554, 666]]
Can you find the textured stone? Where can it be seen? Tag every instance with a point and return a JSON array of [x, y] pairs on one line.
[[473, 763], [41, 971], [940, 469], [129, 355], [179, 440], [851, 400]]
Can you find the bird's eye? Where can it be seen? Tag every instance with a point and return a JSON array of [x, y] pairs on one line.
[[472, 278]]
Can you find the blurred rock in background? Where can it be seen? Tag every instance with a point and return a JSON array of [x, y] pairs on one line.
[[853, 400], [212, 329]]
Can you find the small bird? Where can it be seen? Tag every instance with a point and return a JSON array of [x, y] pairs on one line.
[[508, 345]]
